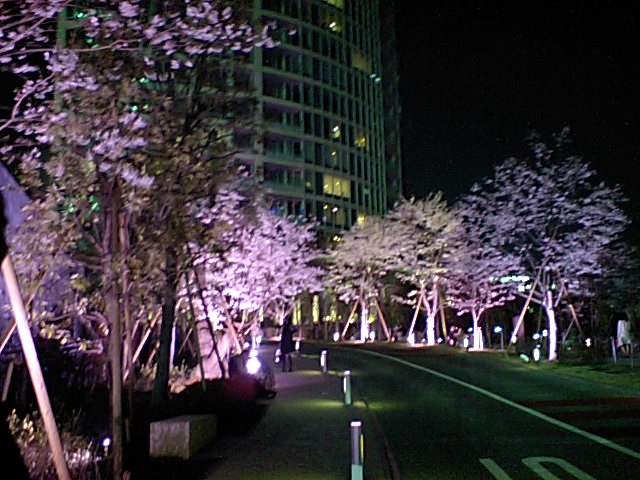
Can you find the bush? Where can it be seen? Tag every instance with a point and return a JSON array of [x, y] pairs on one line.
[[82, 455]]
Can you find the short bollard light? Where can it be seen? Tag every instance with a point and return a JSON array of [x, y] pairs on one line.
[[106, 443], [357, 451], [253, 363], [298, 347], [336, 336], [346, 387], [498, 329], [323, 361], [536, 354]]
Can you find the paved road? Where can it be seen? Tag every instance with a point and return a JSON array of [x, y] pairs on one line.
[[448, 414]]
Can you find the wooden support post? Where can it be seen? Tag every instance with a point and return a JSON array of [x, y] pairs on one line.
[[524, 310], [443, 320], [382, 321], [6, 335], [146, 335], [415, 315], [7, 380], [35, 371], [353, 311]]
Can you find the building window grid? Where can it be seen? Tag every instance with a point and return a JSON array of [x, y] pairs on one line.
[[366, 93]]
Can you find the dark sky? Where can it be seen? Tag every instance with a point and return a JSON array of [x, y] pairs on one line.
[[476, 76]]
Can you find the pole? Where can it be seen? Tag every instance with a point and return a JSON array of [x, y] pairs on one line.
[[323, 361], [613, 350], [35, 371], [346, 387], [357, 450]]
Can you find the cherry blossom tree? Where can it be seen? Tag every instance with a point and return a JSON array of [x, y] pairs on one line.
[[426, 231], [477, 272], [552, 214], [102, 145], [358, 263], [250, 261]]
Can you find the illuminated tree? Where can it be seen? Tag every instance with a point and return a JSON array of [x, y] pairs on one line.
[[111, 158], [426, 231], [358, 263], [550, 212], [249, 261], [477, 273]]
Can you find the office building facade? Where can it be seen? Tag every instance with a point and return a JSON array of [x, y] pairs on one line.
[[325, 143]]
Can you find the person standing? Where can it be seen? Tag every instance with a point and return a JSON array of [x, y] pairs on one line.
[[286, 344], [624, 337]]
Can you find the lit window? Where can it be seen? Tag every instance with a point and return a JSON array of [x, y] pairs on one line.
[[336, 3], [361, 141], [361, 217], [336, 186], [336, 132]]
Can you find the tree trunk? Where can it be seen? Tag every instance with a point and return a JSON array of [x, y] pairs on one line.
[[128, 329], [115, 348], [478, 343], [160, 394], [553, 326], [415, 314], [430, 326], [112, 310], [364, 320]]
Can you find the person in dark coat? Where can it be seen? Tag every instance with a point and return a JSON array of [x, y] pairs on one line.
[[286, 344]]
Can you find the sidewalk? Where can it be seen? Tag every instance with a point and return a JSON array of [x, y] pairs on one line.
[[304, 433]]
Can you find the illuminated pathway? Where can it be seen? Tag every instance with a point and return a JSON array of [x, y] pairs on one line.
[[449, 414]]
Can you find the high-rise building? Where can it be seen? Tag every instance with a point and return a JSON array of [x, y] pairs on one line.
[[327, 141]]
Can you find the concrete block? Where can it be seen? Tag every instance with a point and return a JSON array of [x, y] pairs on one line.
[[182, 436]]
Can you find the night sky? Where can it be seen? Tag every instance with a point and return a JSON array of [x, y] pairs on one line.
[[477, 76]]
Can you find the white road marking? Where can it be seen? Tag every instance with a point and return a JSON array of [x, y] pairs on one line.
[[494, 469], [534, 413], [535, 464]]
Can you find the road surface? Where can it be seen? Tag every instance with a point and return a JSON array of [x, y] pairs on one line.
[[449, 414]]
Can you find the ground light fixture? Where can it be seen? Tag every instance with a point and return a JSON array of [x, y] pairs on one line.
[[336, 336], [323, 361], [357, 450], [411, 339], [536, 354], [346, 386], [498, 329], [106, 443], [298, 346], [276, 359], [372, 336], [253, 364]]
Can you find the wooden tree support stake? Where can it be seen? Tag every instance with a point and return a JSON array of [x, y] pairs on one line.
[[35, 371]]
